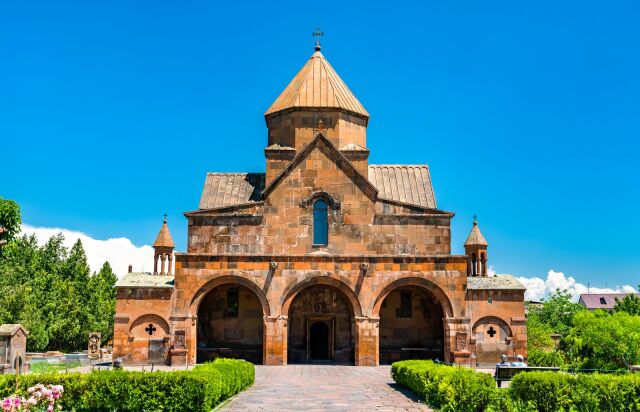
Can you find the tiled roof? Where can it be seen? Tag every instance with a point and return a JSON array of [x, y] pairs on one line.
[[593, 300], [229, 189], [497, 282], [475, 237], [317, 85], [145, 280], [164, 237], [404, 183]]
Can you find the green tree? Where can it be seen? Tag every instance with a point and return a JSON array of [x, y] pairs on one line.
[[558, 311], [9, 220], [103, 291], [603, 340], [630, 304]]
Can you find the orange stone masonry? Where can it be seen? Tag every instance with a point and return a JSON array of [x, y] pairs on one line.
[[322, 258]]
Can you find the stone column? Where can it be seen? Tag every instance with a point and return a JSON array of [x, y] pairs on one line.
[[163, 259], [170, 259], [155, 264], [367, 331], [275, 340]]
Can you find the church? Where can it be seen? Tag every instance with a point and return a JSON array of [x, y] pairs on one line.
[[324, 258]]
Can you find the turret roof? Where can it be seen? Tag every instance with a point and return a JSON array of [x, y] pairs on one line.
[[317, 85], [475, 237], [164, 237]]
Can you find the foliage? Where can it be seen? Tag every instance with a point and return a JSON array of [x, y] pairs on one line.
[[9, 220], [52, 292], [557, 312], [630, 304], [549, 391], [603, 340], [539, 335], [539, 357], [199, 389], [445, 387]]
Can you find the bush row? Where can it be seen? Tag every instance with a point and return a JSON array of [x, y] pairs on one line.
[[445, 387], [451, 388], [199, 389], [548, 391]]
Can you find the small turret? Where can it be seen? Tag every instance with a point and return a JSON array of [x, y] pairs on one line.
[[163, 249], [476, 250]]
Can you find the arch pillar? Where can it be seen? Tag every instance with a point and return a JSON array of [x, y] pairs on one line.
[[275, 340], [367, 331]]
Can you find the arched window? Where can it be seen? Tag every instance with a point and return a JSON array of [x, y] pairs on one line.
[[320, 223], [474, 265]]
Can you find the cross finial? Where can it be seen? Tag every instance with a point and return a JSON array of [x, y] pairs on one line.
[[165, 218], [475, 219], [317, 34]]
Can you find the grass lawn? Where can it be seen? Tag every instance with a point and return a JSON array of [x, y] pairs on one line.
[[44, 367]]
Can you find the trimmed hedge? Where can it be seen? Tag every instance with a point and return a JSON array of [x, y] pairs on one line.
[[445, 387], [199, 389], [548, 391], [451, 388]]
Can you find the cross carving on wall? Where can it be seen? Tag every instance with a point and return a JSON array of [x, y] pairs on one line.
[[150, 329], [491, 331]]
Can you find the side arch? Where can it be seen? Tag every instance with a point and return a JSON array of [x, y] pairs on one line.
[[138, 326], [292, 290], [414, 281], [492, 319], [227, 279]]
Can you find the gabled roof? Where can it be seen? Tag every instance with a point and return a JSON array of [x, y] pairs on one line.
[[317, 85], [475, 237], [164, 237], [145, 280], [303, 153], [231, 189], [10, 329], [497, 282], [594, 301], [404, 183]]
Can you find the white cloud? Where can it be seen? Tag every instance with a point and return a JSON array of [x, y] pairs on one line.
[[538, 289], [120, 252]]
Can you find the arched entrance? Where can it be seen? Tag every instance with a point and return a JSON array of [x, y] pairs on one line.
[[411, 325], [321, 326], [230, 324]]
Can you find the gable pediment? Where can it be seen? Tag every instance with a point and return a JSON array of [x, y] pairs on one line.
[[330, 153]]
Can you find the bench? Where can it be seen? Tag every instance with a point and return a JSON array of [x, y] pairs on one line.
[[506, 373]]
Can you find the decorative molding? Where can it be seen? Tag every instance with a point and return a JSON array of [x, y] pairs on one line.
[[326, 196]]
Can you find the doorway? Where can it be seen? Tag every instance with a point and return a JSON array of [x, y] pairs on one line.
[[319, 343]]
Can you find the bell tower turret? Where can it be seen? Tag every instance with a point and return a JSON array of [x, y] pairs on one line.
[[476, 250]]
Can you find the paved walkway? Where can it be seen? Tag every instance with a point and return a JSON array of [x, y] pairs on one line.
[[313, 388]]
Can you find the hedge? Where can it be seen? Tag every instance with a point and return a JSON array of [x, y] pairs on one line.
[[445, 387], [450, 388], [548, 391], [199, 389]]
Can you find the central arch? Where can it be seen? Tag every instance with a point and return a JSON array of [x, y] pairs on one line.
[[320, 325], [231, 322]]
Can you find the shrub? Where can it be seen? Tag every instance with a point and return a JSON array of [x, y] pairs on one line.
[[549, 391], [537, 357], [199, 389], [446, 387]]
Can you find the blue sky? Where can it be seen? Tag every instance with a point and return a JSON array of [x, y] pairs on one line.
[[528, 113]]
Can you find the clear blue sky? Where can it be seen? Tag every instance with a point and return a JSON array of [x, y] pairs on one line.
[[528, 113]]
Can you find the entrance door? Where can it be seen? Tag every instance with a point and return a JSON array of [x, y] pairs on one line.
[[319, 341]]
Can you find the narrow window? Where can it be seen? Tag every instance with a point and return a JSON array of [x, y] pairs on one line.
[[603, 301], [320, 223], [232, 302], [474, 265], [404, 311]]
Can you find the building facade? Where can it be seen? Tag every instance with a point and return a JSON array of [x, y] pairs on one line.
[[322, 258]]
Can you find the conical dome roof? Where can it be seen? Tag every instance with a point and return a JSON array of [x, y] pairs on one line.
[[317, 85], [164, 237], [475, 237]]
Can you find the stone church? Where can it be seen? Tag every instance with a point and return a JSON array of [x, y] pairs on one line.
[[324, 257]]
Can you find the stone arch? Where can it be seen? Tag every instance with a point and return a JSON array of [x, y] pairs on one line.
[[292, 290], [414, 281], [138, 327], [492, 319], [491, 337], [219, 281]]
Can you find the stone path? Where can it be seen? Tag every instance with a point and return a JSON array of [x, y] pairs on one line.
[[313, 388]]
